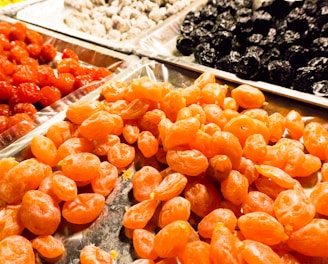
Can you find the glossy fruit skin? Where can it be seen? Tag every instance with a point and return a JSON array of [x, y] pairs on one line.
[[177, 208], [203, 197], [45, 223], [144, 181], [48, 246], [105, 182], [143, 243], [196, 252], [256, 252], [93, 254], [171, 239], [138, 215], [207, 224], [27, 175], [315, 233], [17, 249], [171, 186], [224, 246], [248, 97], [261, 227], [10, 221], [84, 208], [44, 149], [294, 209], [191, 162], [80, 166]]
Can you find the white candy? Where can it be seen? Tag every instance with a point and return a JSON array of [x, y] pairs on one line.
[[119, 20]]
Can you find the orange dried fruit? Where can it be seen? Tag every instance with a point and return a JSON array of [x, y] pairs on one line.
[[248, 96], [84, 208]]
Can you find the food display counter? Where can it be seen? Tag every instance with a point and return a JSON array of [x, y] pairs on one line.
[[232, 166]]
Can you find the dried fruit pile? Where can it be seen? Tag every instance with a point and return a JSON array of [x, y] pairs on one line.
[[223, 181], [281, 42], [27, 81]]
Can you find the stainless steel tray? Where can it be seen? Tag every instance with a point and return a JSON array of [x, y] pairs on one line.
[[89, 54], [51, 13], [106, 232], [160, 44]]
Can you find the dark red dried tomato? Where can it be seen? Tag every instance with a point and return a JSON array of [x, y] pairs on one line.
[[18, 31], [28, 93], [48, 52], [34, 50], [4, 123], [5, 28], [82, 80], [49, 95], [6, 90], [33, 37], [27, 108], [65, 83], [45, 76], [69, 53], [23, 74], [70, 65], [4, 110]]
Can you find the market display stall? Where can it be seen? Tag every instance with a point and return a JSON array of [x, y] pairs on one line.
[[168, 159]]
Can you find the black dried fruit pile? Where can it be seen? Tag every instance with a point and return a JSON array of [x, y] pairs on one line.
[[280, 42]]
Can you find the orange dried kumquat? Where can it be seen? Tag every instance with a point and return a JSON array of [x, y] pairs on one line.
[[171, 186], [84, 208], [81, 166], [91, 254], [48, 246], [16, 249], [248, 96], [190, 162]]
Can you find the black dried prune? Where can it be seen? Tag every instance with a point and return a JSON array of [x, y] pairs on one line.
[[193, 17], [254, 50], [205, 54], [222, 41], [201, 35], [311, 33], [320, 88], [321, 65], [185, 45], [255, 39], [228, 62], [244, 27], [280, 72], [187, 27], [208, 12], [262, 22], [226, 21], [304, 79], [268, 41], [249, 66], [207, 24], [276, 8], [267, 57], [324, 30], [297, 20], [320, 47], [297, 55], [287, 39], [322, 15], [310, 8]]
